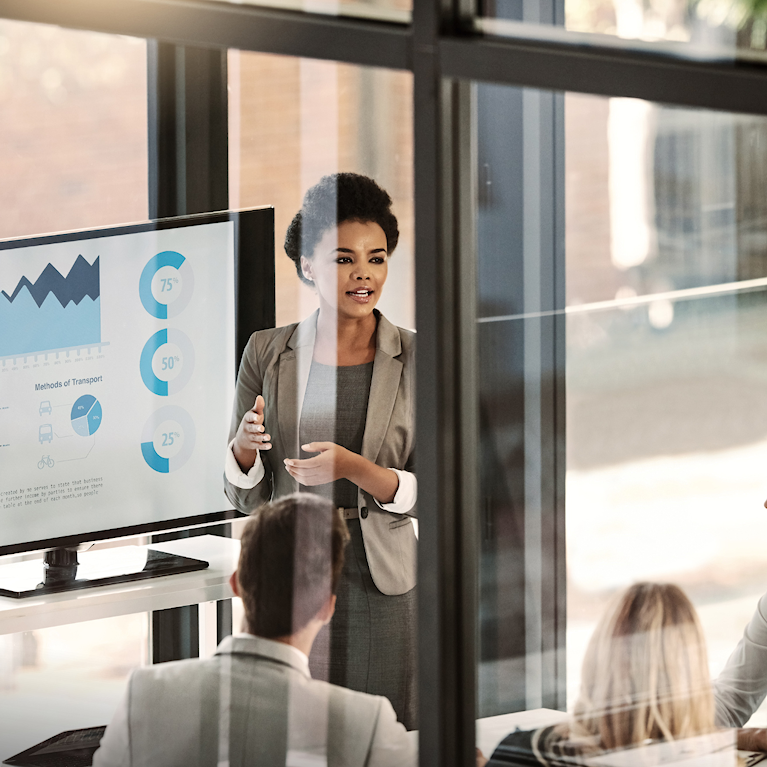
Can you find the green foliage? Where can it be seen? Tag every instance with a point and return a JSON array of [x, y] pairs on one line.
[[734, 13]]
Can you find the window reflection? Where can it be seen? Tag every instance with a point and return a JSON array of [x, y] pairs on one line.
[[293, 121], [334, 143], [381, 10], [621, 298], [73, 138], [73, 149], [646, 696], [710, 27], [66, 677], [665, 423]]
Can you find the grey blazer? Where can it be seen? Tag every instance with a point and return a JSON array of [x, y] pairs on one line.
[[276, 365], [253, 704]]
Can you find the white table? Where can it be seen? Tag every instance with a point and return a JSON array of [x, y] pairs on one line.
[[22, 722], [717, 749], [199, 587], [493, 729]]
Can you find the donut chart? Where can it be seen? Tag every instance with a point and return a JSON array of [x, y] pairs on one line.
[[167, 441], [166, 285], [167, 362], [86, 415]]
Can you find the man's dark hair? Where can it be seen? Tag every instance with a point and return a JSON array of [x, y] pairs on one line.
[[290, 562], [334, 200]]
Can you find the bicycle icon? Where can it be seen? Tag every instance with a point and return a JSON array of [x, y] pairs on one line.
[[46, 460]]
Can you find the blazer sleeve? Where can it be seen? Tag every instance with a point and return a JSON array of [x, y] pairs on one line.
[[391, 745], [742, 686], [115, 748], [250, 383], [410, 509]]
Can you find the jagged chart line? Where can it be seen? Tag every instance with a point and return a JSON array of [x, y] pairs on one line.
[[53, 313], [82, 280]]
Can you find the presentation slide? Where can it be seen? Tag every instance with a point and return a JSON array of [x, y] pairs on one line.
[[116, 380]]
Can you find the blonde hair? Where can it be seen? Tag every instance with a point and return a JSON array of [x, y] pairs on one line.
[[645, 676]]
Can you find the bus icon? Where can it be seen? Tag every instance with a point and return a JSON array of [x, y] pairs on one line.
[[45, 433]]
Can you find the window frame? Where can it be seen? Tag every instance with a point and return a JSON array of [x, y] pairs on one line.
[[444, 50]]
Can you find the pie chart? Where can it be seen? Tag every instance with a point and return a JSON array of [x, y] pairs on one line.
[[86, 415], [166, 285]]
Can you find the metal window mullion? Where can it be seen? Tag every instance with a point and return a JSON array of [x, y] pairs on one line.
[[603, 68], [436, 506], [557, 698], [161, 129], [465, 181], [544, 428], [188, 173], [607, 71], [533, 211], [446, 403]]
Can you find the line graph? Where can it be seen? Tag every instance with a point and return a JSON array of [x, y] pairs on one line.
[[53, 312]]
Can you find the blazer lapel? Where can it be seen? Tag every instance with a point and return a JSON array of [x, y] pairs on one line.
[[287, 402], [295, 363], [384, 387]]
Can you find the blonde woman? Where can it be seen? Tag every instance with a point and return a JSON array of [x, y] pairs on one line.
[[645, 679]]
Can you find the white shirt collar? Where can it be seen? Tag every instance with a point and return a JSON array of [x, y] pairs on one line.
[[301, 657]]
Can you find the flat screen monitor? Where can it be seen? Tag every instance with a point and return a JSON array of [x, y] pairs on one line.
[[118, 355]]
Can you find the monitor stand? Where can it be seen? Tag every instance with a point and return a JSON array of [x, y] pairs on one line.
[[67, 570]]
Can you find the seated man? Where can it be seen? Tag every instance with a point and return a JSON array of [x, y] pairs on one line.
[[254, 702]]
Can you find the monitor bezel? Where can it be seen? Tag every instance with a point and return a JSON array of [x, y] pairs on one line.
[[254, 309]]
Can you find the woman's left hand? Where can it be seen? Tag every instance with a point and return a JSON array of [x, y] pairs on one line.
[[332, 463], [335, 462]]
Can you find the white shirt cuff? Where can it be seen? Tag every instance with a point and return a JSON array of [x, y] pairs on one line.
[[237, 476], [406, 495]]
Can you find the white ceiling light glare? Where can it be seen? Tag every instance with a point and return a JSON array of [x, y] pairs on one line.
[[660, 313], [630, 141]]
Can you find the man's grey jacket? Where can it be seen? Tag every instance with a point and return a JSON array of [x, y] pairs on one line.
[[253, 703]]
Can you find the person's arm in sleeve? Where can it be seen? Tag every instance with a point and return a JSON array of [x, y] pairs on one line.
[[406, 496], [392, 745], [742, 686], [115, 748], [236, 476], [246, 487], [404, 501]]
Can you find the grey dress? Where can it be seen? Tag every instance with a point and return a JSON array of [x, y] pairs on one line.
[[370, 644]]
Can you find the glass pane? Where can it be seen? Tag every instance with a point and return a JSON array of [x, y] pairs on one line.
[[65, 678], [73, 153], [700, 28], [324, 139], [293, 121], [622, 293], [73, 138]]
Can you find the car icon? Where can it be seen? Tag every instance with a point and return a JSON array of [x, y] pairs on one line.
[[45, 433], [45, 407]]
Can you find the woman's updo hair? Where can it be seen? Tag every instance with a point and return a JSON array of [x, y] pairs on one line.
[[334, 200]]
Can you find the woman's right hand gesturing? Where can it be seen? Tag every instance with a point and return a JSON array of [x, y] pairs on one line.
[[251, 436]]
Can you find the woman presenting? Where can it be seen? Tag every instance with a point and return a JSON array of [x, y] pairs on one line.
[[326, 405]]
